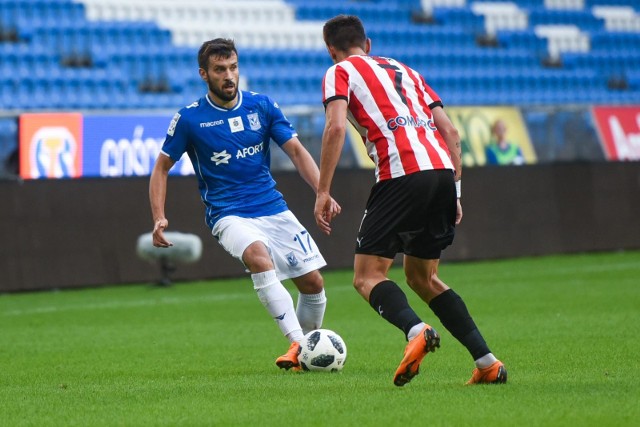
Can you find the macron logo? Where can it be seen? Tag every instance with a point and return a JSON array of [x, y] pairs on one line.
[[222, 157], [210, 124]]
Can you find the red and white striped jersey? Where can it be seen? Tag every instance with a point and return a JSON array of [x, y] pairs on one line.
[[390, 106]]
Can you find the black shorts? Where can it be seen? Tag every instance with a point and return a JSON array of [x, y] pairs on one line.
[[414, 214]]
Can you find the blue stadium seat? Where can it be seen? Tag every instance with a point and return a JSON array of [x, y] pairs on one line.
[[523, 40], [617, 41], [462, 18], [583, 19], [633, 78], [632, 3], [370, 13], [104, 63]]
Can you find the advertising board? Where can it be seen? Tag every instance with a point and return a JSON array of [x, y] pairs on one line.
[[619, 130], [121, 146], [72, 145], [50, 145]]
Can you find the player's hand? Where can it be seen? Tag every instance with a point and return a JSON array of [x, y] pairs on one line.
[[335, 208], [159, 240], [458, 212], [325, 210]]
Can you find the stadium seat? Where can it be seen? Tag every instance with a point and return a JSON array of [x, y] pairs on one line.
[[128, 53], [583, 19], [562, 38], [500, 16]]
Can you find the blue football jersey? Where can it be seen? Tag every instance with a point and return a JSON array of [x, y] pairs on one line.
[[229, 150]]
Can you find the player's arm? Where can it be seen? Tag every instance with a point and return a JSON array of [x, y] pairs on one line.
[[303, 162], [452, 139], [335, 129], [306, 167], [157, 197]]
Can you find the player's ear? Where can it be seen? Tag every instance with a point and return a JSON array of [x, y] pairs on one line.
[[203, 74], [367, 46]]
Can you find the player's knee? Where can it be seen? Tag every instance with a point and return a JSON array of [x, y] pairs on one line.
[[429, 283], [436, 286], [310, 283], [256, 258], [257, 263], [412, 282], [313, 283], [359, 283], [364, 285]]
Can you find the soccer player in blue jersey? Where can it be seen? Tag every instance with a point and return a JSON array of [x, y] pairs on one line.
[[226, 135]]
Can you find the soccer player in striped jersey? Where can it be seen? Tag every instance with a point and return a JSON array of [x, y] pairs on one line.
[[226, 134], [415, 203]]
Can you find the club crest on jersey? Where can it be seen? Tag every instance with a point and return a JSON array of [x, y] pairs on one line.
[[172, 125], [236, 125], [222, 157], [254, 121], [291, 259]]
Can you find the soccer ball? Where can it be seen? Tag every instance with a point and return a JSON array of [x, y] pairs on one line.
[[322, 350]]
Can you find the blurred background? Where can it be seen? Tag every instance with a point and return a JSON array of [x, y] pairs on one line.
[[545, 94]]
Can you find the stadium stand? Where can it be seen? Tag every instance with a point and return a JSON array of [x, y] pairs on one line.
[[140, 54]]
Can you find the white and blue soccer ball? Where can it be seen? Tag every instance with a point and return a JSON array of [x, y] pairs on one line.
[[322, 350]]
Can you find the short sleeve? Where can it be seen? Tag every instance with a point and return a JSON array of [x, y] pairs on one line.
[[281, 129], [175, 143], [435, 100], [335, 84]]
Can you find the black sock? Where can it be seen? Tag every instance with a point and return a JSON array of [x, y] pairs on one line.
[[453, 314], [388, 300]]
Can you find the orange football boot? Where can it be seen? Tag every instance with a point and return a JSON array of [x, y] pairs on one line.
[[494, 374], [290, 358], [426, 341]]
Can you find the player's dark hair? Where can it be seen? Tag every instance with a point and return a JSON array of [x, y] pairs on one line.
[[220, 48], [344, 32]]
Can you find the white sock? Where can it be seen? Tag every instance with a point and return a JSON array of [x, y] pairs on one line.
[[415, 330], [278, 302], [486, 361], [310, 310]]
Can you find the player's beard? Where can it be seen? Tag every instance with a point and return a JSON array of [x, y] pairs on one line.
[[221, 94]]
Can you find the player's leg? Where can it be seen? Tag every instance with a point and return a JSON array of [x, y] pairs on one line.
[[244, 240], [297, 257], [422, 277], [390, 207], [384, 295], [422, 254], [312, 301], [390, 302], [276, 299], [271, 292], [377, 244]]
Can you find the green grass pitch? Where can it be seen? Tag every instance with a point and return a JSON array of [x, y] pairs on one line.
[[202, 354]]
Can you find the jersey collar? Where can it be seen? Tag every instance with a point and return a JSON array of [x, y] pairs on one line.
[[219, 108]]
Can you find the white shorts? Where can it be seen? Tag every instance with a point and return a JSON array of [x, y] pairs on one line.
[[292, 249]]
